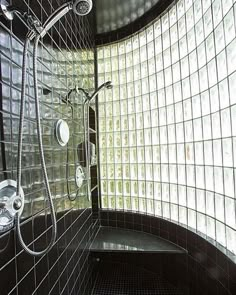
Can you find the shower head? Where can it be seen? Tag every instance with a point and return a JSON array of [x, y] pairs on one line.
[[79, 7], [82, 7], [108, 85]]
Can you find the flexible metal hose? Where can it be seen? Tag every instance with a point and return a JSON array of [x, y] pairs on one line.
[[41, 152]]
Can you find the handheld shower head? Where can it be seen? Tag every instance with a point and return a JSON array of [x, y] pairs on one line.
[[108, 85], [82, 7]]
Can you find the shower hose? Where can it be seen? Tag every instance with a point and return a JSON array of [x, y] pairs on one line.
[[40, 144]]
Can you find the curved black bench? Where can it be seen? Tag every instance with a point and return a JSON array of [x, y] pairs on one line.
[[111, 239]]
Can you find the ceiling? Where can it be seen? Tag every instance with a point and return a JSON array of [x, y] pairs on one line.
[[115, 14]]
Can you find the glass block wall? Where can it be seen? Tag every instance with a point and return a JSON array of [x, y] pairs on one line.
[[167, 129]]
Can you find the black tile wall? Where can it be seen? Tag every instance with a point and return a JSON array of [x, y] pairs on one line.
[[66, 59], [209, 271]]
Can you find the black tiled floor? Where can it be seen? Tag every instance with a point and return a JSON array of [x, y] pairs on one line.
[[124, 279]]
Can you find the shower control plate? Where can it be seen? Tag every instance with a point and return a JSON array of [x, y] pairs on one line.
[[10, 204], [79, 176], [62, 132]]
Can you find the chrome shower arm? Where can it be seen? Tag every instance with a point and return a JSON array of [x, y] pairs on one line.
[[107, 85], [56, 15]]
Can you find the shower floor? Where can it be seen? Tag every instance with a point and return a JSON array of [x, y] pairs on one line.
[[123, 279]]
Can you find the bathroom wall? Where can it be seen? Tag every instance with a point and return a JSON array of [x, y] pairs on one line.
[[66, 59], [167, 136]]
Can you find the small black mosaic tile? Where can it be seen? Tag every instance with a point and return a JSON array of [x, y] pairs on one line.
[[125, 279]]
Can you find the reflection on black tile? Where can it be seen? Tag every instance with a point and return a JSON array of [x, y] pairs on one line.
[[114, 239]]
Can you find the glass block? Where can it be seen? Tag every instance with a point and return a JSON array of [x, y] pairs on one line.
[[181, 175], [190, 176], [169, 95], [199, 32], [227, 152], [104, 201], [176, 72], [165, 22], [182, 215], [158, 45], [182, 27], [200, 181], [192, 219], [174, 212], [191, 40], [177, 92], [231, 240], [155, 136], [159, 62], [232, 88], [229, 26], [174, 34], [174, 53], [231, 57], [179, 133], [197, 10], [151, 66], [219, 38], [166, 210], [150, 207], [158, 208], [191, 199], [208, 152], [233, 118], [167, 58], [210, 204], [172, 15], [170, 114], [203, 78], [225, 123], [180, 8], [230, 218], [218, 175], [173, 173], [147, 136], [217, 152], [211, 232], [160, 80], [168, 76], [133, 171], [171, 134], [164, 154], [193, 62], [220, 233], [210, 47], [201, 51], [119, 188], [201, 202], [217, 12], [183, 47], [201, 223], [163, 135], [132, 122], [166, 40], [126, 188], [229, 182], [199, 153], [208, 22], [207, 128], [174, 193]]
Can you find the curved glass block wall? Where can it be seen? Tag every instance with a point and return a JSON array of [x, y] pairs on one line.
[[167, 130]]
